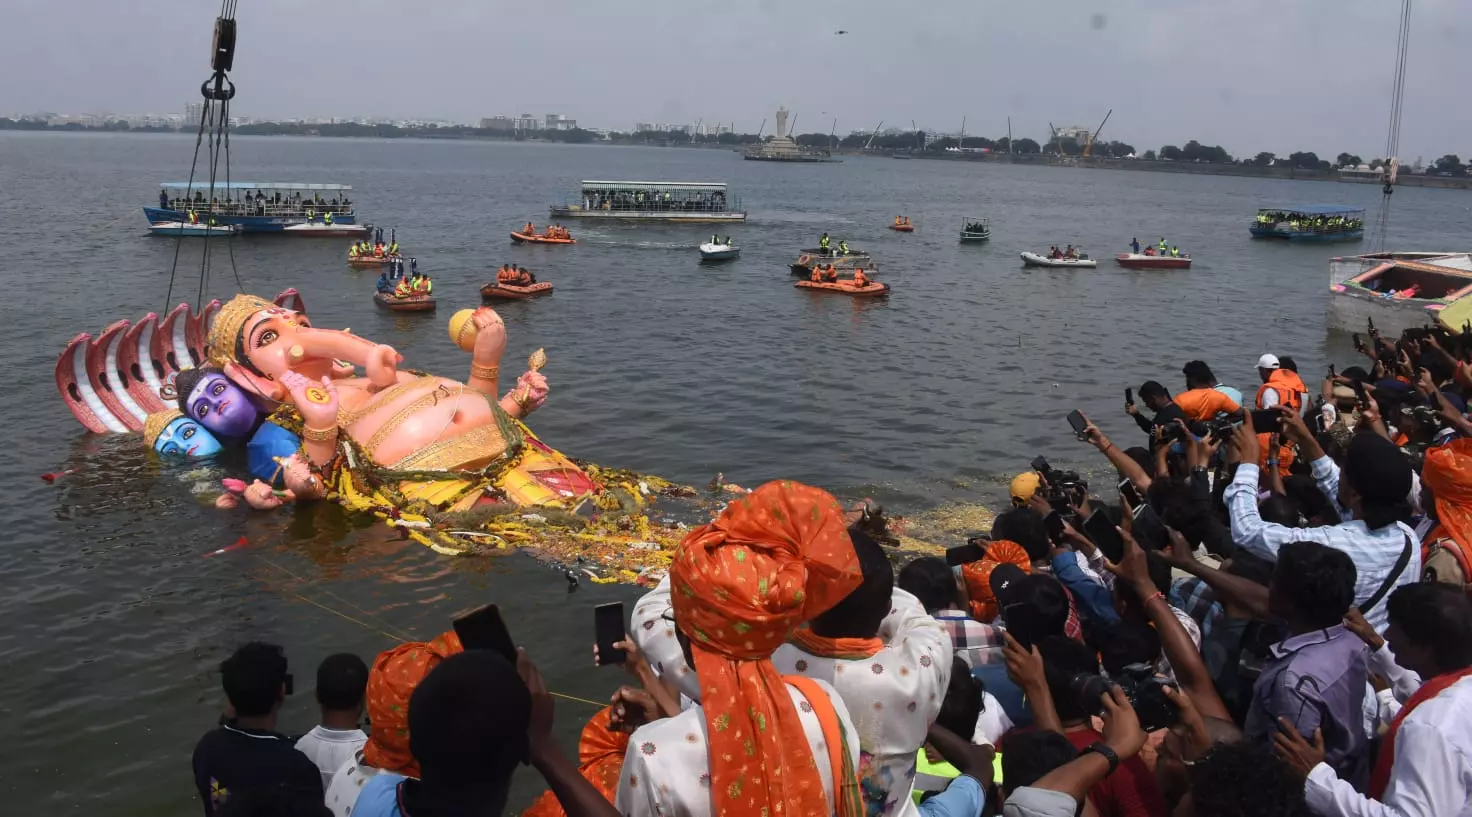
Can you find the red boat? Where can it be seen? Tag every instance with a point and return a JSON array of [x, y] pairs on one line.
[[413, 303], [903, 228], [1134, 260], [869, 290], [512, 292], [532, 238]]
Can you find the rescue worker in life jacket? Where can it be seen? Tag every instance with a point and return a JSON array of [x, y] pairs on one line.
[[860, 279], [843, 247], [404, 289], [327, 218], [823, 243], [1175, 252], [1162, 247], [830, 274], [1280, 387], [393, 248]]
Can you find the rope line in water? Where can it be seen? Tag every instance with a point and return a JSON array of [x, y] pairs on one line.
[[379, 629]]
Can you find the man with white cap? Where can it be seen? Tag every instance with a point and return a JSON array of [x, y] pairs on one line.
[[1280, 387]]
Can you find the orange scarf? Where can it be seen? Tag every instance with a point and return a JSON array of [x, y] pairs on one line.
[[843, 649], [1380, 779], [1448, 473], [391, 683], [601, 761], [978, 577], [740, 585]]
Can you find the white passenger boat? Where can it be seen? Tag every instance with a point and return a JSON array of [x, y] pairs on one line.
[[317, 229], [1032, 259], [718, 252], [652, 201]]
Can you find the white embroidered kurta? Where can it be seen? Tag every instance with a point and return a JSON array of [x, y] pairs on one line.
[[893, 698], [667, 767]]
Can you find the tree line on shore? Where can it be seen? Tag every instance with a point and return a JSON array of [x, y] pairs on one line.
[[916, 141]]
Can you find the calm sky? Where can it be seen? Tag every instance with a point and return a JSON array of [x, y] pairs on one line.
[[1277, 75]]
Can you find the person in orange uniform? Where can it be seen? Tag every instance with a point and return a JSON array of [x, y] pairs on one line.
[[1280, 387], [817, 276], [830, 274], [899, 221], [860, 279], [1201, 401], [529, 229]]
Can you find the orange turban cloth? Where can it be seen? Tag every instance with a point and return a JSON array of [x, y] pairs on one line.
[[978, 577], [391, 682], [1448, 473], [740, 586]]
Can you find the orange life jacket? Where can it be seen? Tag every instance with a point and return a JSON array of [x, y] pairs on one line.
[[817, 275], [1289, 387]]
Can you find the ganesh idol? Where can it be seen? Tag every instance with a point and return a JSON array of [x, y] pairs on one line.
[[389, 439]]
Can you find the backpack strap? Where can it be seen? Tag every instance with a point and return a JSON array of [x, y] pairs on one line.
[[1390, 580]]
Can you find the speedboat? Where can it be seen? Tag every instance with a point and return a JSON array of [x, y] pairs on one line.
[[869, 290], [317, 229], [533, 238], [1135, 260], [976, 229], [413, 303], [184, 228], [1032, 259], [496, 291], [718, 252], [807, 258]]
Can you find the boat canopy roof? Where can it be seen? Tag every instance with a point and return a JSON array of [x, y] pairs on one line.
[[1314, 209], [204, 185], [700, 186]]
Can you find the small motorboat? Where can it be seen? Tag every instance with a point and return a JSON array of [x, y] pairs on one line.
[[807, 258], [533, 238], [869, 290], [902, 227], [1135, 260], [976, 230], [414, 303], [184, 228], [496, 291], [371, 260], [316, 229], [1032, 259], [718, 252]]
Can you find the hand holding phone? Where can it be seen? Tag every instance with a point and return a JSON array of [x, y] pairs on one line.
[[1105, 536], [1129, 397], [1267, 421], [608, 630], [1359, 345], [1080, 424], [484, 629]]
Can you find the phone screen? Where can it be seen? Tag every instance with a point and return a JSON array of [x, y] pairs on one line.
[[1129, 397], [965, 554], [608, 629], [1131, 494], [1022, 624], [1054, 521], [1104, 535], [1076, 419], [1149, 530], [483, 629], [1267, 421]]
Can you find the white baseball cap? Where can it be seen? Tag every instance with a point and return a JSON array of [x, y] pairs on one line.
[[1268, 361]]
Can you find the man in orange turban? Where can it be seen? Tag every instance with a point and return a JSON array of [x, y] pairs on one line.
[[756, 743], [1447, 556], [391, 682]]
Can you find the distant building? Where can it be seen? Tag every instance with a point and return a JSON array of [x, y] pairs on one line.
[[497, 123], [644, 127], [1077, 133], [527, 122], [193, 112]]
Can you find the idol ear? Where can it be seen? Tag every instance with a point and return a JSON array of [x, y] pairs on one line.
[[252, 383]]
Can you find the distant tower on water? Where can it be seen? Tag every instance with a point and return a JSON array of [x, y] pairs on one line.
[[782, 122]]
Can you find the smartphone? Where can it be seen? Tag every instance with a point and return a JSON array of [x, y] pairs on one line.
[[1131, 494], [1149, 530], [483, 629], [609, 629], [1267, 421], [1054, 522], [1129, 397], [1040, 465], [1359, 345], [1022, 624], [1105, 536], [1076, 419], [1332, 373], [1370, 321], [1360, 396], [965, 554]]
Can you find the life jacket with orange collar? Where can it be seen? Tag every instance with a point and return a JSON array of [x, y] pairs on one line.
[[1289, 387]]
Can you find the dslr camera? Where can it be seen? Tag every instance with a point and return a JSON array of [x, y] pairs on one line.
[[1065, 488], [1146, 693]]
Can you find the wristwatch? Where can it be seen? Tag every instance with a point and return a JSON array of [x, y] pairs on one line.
[[1107, 753]]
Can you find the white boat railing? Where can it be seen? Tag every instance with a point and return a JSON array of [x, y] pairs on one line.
[[263, 207]]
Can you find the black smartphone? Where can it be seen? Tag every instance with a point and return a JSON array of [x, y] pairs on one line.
[[1360, 395], [1370, 322], [609, 629], [1149, 530], [1076, 419], [1267, 421], [1105, 536], [1040, 465], [1359, 345], [1054, 522], [965, 554], [1022, 624], [1332, 373], [1129, 397], [483, 629], [1131, 494]]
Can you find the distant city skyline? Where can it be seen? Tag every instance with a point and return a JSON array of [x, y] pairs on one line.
[[1255, 75]]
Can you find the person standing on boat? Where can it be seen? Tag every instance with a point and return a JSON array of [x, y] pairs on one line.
[[193, 216], [1135, 245], [843, 247], [823, 243], [327, 218], [163, 200], [1162, 246]]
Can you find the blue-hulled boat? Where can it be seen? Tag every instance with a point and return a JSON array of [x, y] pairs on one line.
[[254, 207], [1310, 222]]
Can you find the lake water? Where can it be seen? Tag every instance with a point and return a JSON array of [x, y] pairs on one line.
[[114, 621]]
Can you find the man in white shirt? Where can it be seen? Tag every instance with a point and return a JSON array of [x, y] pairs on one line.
[[341, 681], [890, 662], [1371, 497], [1425, 764]]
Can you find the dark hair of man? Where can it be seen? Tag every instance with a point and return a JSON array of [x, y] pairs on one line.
[[467, 727], [1438, 616], [341, 681], [1028, 756], [1152, 389], [1279, 510], [1315, 581], [1286, 362], [1026, 528], [1304, 490], [252, 678], [279, 800], [1063, 660], [930, 580], [1046, 602], [860, 613], [1130, 641], [1245, 780], [1381, 475], [1198, 375], [962, 704]]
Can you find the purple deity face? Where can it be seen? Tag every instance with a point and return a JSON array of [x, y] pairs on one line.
[[220, 406]]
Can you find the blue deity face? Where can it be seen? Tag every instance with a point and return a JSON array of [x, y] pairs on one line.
[[186, 439], [220, 406]]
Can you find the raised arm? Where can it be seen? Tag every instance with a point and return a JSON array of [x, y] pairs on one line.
[[1122, 462]]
